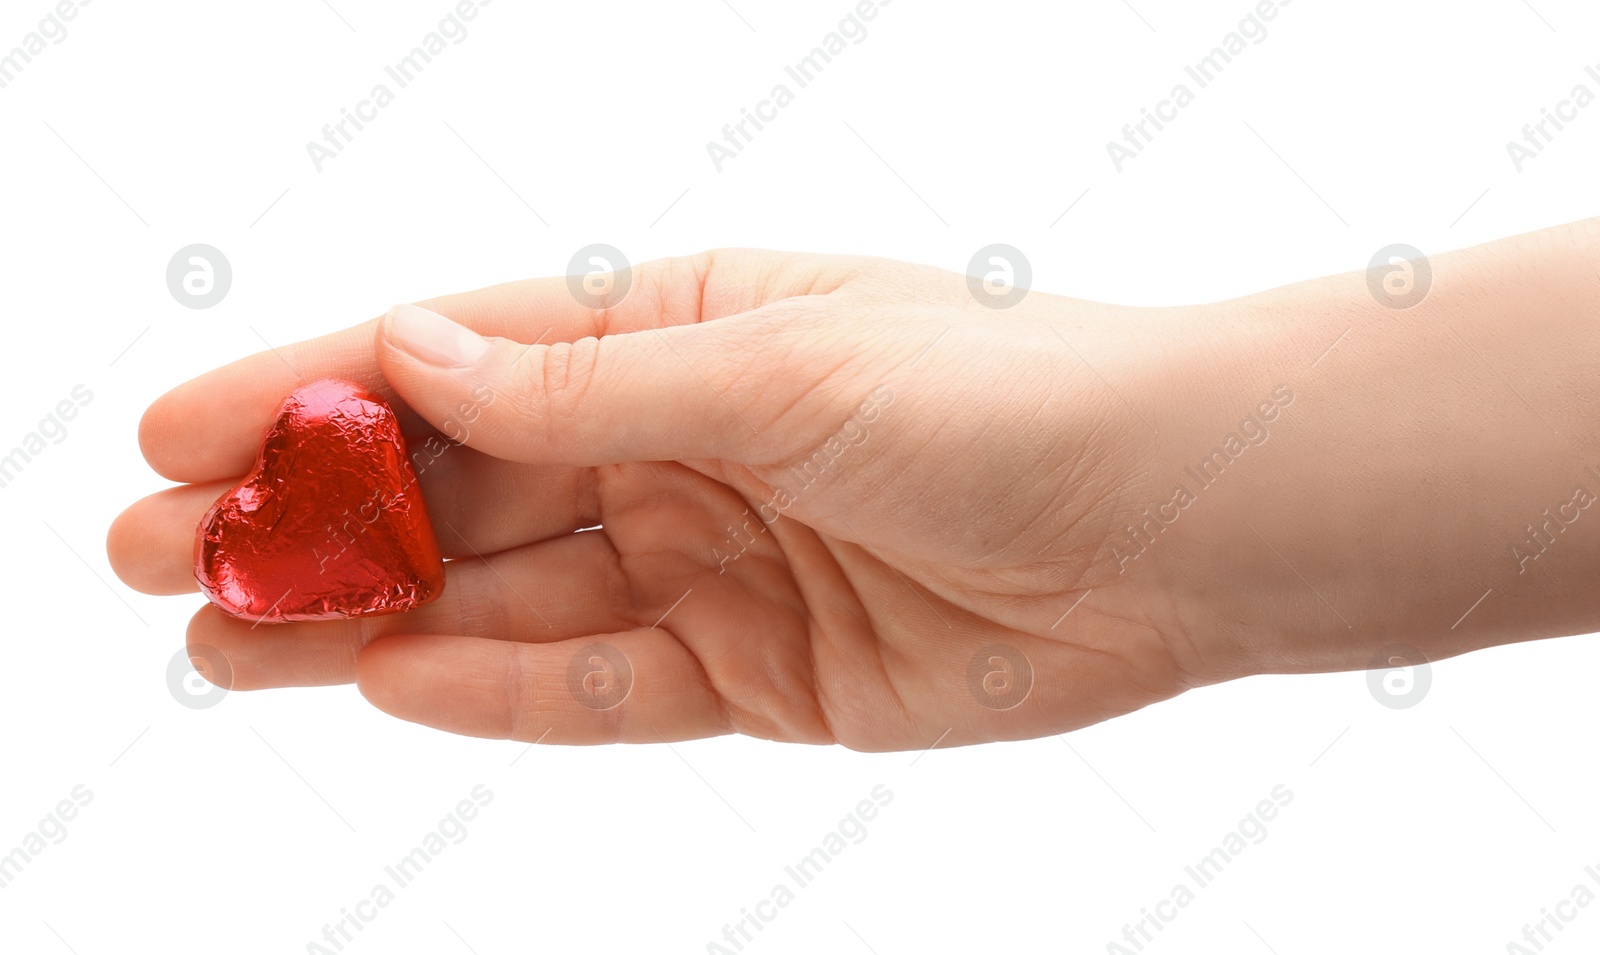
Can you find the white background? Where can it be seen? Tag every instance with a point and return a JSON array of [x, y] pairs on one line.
[[249, 826]]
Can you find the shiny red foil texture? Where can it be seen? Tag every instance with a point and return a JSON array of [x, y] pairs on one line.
[[330, 524]]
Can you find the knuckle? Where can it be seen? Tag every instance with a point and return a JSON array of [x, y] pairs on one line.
[[561, 380]]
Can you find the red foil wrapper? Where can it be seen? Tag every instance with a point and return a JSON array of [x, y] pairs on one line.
[[330, 524]]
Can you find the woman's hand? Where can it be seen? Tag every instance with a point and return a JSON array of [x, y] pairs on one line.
[[839, 500], [842, 500]]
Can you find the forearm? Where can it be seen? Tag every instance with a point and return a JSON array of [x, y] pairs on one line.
[[1430, 481]]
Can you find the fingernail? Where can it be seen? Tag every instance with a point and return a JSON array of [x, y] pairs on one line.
[[430, 337]]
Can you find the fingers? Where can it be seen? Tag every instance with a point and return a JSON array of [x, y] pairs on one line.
[[478, 504], [546, 592], [710, 391], [151, 544], [640, 686], [209, 428]]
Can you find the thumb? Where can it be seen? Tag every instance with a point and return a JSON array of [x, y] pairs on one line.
[[638, 396]]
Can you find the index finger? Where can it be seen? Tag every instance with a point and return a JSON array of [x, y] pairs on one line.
[[208, 429]]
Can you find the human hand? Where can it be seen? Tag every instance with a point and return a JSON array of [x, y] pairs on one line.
[[839, 500]]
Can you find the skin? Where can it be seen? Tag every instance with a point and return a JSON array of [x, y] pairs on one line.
[[961, 540]]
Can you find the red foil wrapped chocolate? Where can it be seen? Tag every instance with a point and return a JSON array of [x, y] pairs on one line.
[[330, 524]]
